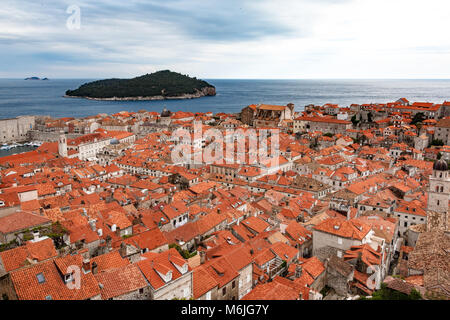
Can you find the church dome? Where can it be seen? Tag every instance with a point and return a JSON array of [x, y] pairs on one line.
[[165, 113], [114, 141], [440, 165]]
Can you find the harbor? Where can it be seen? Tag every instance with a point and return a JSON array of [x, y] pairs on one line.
[[16, 148]]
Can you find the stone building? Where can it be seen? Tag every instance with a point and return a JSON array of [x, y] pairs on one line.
[[442, 131], [430, 259], [264, 115], [323, 124], [335, 236], [16, 130], [168, 274], [339, 275], [439, 190]]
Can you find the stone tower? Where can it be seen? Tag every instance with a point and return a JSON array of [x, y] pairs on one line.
[[421, 142], [62, 145], [439, 195]]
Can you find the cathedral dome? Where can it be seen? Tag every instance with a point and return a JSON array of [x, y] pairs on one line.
[[165, 113], [440, 165]]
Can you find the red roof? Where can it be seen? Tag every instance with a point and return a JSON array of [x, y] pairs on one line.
[[21, 220]]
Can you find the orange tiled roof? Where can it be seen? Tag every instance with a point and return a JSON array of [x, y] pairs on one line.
[[24, 255], [120, 281], [27, 286]]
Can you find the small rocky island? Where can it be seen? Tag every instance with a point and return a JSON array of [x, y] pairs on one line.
[[160, 85], [35, 78]]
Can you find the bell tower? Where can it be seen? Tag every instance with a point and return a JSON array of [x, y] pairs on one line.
[[439, 195], [62, 145]]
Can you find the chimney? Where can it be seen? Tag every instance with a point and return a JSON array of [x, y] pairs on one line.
[[86, 265], [36, 236], [94, 268], [123, 250], [298, 271], [92, 225], [202, 257]]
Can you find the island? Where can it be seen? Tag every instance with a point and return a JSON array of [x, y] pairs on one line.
[[160, 85], [36, 78]]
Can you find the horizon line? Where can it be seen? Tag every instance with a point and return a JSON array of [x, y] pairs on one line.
[[214, 78]]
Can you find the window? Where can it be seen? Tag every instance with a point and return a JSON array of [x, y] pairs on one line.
[[40, 277], [233, 285], [208, 295], [339, 254], [339, 240], [224, 291], [141, 291]]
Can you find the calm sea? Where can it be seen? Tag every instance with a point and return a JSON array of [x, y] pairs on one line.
[[21, 97]]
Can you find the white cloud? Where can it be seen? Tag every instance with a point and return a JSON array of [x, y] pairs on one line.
[[234, 39]]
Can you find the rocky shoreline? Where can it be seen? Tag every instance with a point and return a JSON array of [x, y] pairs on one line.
[[207, 91]]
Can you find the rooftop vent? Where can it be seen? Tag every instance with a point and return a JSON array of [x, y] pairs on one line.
[[40, 278]]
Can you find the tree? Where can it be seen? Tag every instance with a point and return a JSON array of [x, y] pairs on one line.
[[418, 117], [369, 117], [437, 142], [415, 295], [388, 294], [354, 120]]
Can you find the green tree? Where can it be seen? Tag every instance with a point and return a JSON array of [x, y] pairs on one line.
[[437, 142], [354, 120], [418, 118]]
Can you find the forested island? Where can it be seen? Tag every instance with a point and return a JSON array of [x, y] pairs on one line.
[[156, 86]]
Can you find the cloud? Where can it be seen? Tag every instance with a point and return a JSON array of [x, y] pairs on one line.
[[229, 39]]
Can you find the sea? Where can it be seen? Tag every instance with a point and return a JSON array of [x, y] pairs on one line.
[[38, 97]]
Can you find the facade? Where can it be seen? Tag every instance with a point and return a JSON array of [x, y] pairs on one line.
[[168, 274], [323, 124], [335, 236], [439, 192], [16, 130], [442, 131], [263, 115]]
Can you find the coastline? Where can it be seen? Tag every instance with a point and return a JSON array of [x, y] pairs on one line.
[[206, 91], [183, 97]]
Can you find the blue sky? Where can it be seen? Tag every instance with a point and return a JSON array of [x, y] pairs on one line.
[[227, 39]]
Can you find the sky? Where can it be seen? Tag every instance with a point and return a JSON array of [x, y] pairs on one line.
[[212, 39]]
